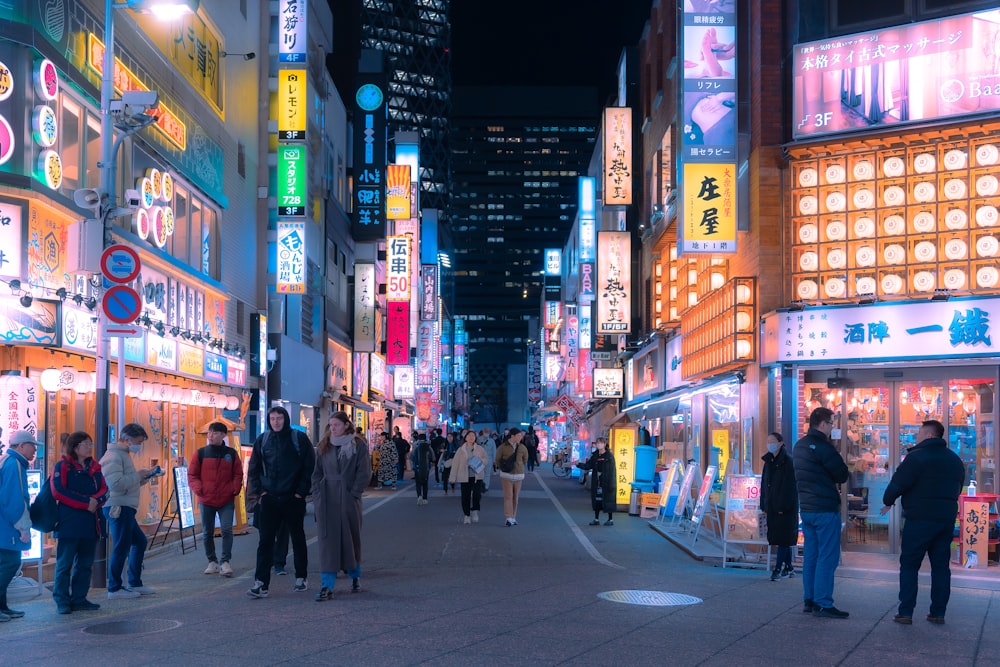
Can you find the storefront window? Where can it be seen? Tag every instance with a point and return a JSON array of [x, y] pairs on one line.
[[724, 428], [93, 153], [970, 430], [71, 151]]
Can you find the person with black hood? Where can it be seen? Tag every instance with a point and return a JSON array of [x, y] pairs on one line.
[[779, 501], [603, 482], [929, 480], [279, 477], [422, 460]]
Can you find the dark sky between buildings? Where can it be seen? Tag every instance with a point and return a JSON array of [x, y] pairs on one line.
[[530, 42]]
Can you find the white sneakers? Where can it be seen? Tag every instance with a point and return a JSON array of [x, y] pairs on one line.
[[213, 568], [143, 590], [300, 585], [475, 516], [467, 520], [421, 501], [123, 594], [226, 570]]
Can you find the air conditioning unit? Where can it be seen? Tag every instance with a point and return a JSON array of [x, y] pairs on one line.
[[84, 247]]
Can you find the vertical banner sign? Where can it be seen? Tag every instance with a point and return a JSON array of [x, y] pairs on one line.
[[553, 262], [585, 373], [588, 218], [426, 353], [572, 347], [10, 235], [397, 333], [402, 382], [617, 156], [428, 293], [292, 102], [291, 265], [534, 372], [364, 307], [397, 191], [369, 159], [291, 181], [292, 40], [587, 292], [586, 337], [461, 340], [707, 155], [614, 252], [397, 268], [623, 442]]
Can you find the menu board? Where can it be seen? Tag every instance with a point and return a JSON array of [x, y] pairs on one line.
[[685, 492], [743, 509], [34, 552], [185, 505], [706, 488]]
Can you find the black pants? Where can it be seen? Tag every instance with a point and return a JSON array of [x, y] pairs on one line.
[[472, 493], [275, 511], [421, 481], [934, 539], [281, 546]]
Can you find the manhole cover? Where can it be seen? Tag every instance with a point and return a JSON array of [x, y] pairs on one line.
[[649, 598], [139, 627]]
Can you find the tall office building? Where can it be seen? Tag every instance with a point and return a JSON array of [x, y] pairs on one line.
[[415, 37], [516, 155]]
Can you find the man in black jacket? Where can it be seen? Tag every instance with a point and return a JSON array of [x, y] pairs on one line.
[[279, 475], [929, 480], [819, 468]]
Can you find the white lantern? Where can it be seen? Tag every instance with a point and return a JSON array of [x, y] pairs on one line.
[[176, 394], [19, 407], [743, 349], [113, 385], [83, 383], [146, 391], [742, 321], [132, 387], [50, 379], [232, 403], [93, 383], [67, 377]]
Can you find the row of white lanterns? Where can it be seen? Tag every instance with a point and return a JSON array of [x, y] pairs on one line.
[[67, 377]]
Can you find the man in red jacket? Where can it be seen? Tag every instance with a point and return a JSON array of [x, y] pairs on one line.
[[216, 478]]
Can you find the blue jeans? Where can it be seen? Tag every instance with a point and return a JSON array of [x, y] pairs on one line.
[[820, 556], [74, 561], [225, 514], [128, 543], [328, 579], [10, 563], [934, 539]]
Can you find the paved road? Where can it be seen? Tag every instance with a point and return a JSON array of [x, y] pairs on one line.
[[441, 593]]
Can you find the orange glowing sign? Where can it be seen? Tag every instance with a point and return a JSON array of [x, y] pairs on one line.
[[124, 80], [397, 191]]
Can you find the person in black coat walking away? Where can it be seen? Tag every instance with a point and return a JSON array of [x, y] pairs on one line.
[[929, 480], [779, 499], [422, 460], [603, 482]]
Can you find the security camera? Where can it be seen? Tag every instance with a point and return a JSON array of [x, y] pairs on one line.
[[148, 99], [132, 199]]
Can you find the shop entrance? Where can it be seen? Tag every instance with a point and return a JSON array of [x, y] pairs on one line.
[[877, 421]]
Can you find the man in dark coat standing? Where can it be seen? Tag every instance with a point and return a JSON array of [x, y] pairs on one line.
[[780, 501], [819, 469], [929, 480]]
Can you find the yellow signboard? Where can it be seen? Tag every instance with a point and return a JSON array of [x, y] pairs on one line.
[[709, 208], [190, 359], [397, 191], [720, 441], [292, 104], [623, 447], [193, 47]]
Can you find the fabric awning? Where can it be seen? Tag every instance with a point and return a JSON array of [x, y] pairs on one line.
[[347, 399]]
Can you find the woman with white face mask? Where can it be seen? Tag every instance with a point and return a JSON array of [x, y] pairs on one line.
[[779, 499]]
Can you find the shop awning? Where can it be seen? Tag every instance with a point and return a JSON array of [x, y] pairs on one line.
[[346, 399]]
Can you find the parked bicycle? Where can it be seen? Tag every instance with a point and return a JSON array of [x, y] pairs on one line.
[[561, 465]]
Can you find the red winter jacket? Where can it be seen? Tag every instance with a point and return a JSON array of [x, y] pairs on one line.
[[216, 475]]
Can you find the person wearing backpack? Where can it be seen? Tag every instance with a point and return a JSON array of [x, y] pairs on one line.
[[422, 460], [279, 477], [15, 519], [511, 459], [78, 484]]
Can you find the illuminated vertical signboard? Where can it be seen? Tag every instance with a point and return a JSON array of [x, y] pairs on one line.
[[397, 268], [291, 265], [397, 333], [397, 191], [614, 283], [365, 291], [402, 382], [617, 156], [292, 27], [608, 383], [461, 340], [426, 355], [292, 104], [572, 354], [588, 237], [291, 181], [428, 293], [707, 153], [553, 262], [369, 158]]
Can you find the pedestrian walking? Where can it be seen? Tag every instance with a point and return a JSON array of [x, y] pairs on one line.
[[128, 542], [779, 500], [15, 521], [422, 460], [490, 445], [338, 482], [438, 444], [388, 461], [603, 482], [467, 469], [279, 476], [402, 453], [531, 443], [929, 481], [79, 487], [511, 459], [445, 463], [215, 475], [819, 468]]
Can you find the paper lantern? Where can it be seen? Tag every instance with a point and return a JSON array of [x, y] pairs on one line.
[[232, 403], [194, 398], [50, 379], [67, 377], [83, 383], [743, 349], [742, 321], [743, 294], [146, 391], [19, 402]]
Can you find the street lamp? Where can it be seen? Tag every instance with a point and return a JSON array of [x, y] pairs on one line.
[[128, 116]]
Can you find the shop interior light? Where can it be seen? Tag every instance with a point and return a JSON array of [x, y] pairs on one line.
[[164, 10]]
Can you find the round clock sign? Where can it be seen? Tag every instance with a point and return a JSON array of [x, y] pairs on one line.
[[369, 97]]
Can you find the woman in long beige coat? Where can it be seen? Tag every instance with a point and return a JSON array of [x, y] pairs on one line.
[[343, 470], [467, 469]]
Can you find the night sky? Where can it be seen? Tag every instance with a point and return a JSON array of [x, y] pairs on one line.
[[529, 42]]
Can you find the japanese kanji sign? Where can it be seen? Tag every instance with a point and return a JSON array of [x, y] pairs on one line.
[[397, 191], [291, 181], [428, 293], [369, 159], [292, 103], [365, 291], [709, 208], [292, 42], [617, 156], [291, 251], [614, 283], [397, 268]]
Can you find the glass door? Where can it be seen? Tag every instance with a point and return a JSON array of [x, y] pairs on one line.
[[868, 448]]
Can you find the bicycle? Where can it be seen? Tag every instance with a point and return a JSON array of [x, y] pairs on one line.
[[561, 465]]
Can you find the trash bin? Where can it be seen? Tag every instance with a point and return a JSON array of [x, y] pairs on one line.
[[645, 463], [633, 502]]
